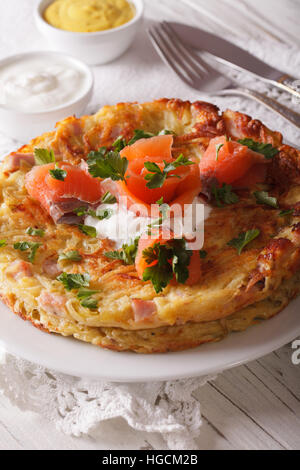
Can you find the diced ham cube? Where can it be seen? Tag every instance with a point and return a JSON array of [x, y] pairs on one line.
[[52, 303], [13, 161], [51, 268], [19, 269], [143, 309]]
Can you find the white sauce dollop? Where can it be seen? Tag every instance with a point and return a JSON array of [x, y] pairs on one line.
[[41, 83], [124, 226]]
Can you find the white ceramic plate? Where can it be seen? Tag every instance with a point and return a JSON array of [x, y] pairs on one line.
[[84, 360]]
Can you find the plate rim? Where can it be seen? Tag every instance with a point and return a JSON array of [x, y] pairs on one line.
[[156, 362]]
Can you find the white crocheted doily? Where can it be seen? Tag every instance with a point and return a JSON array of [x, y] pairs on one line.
[[76, 405]]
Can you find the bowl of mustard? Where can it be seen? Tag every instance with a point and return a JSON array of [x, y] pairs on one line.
[[95, 31]]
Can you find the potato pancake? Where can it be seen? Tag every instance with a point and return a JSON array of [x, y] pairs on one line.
[[56, 273]]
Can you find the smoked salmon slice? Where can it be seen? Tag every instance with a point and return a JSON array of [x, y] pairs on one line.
[[157, 150], [61, 197], [229, 161], [159, 146]]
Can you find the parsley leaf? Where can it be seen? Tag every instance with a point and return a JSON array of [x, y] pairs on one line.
[[90, 303], [100, 214], [265, 149], [83, 293], [43, 156], [218, 148], [224, 195], [244, 239], [140, 134], [203, 254], [119, 144], [287, 212], [127, 254], [80, 211], [74, 281], [108, 198], [22, 246], [35, 232], [58, 173], [262, 197], [2, 243], [73, 255], [107, 164], [159, 176], [161, 273], [28, 246], [88, 230], [170, 259], [181, 260], [34, 247]]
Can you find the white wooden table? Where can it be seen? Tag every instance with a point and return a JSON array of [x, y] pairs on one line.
[[256, 406]]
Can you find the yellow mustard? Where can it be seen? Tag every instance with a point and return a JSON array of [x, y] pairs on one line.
[[87, 16]]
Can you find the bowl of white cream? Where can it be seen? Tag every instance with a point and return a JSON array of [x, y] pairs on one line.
[[38, 89]]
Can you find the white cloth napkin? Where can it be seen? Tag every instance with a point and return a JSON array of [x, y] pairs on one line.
[[76, 405]]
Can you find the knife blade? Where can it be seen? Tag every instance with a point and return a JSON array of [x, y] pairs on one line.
[[236, 57]]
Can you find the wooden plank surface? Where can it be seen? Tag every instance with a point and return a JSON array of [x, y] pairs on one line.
[[256, 406]]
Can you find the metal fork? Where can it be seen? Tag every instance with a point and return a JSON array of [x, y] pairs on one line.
[[198, 74]]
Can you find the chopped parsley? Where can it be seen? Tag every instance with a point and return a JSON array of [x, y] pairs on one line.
[[203, 254], [80, 211], [100, 214], [127, 254], [108, 198], [244, 239], [158, 178], [2, 243], [267, 150], [171, 259], [73, 255], [90, 303], [107, 164], [218, 148], [80, 282], [140, 134], [224, 195], [58, 173], [88, 230], [119, 144], [287, 213], [84, 293], [262, 197], [28, 246], [35, 232], [43, 156], [74, 281]]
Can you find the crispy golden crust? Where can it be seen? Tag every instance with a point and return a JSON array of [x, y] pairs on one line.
[[172, 338], [230, 284]]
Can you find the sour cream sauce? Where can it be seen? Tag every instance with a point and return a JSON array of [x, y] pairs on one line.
[[124, 226], [37, 84]]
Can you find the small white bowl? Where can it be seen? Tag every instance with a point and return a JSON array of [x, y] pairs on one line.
[[94, 48], [25, 125]]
